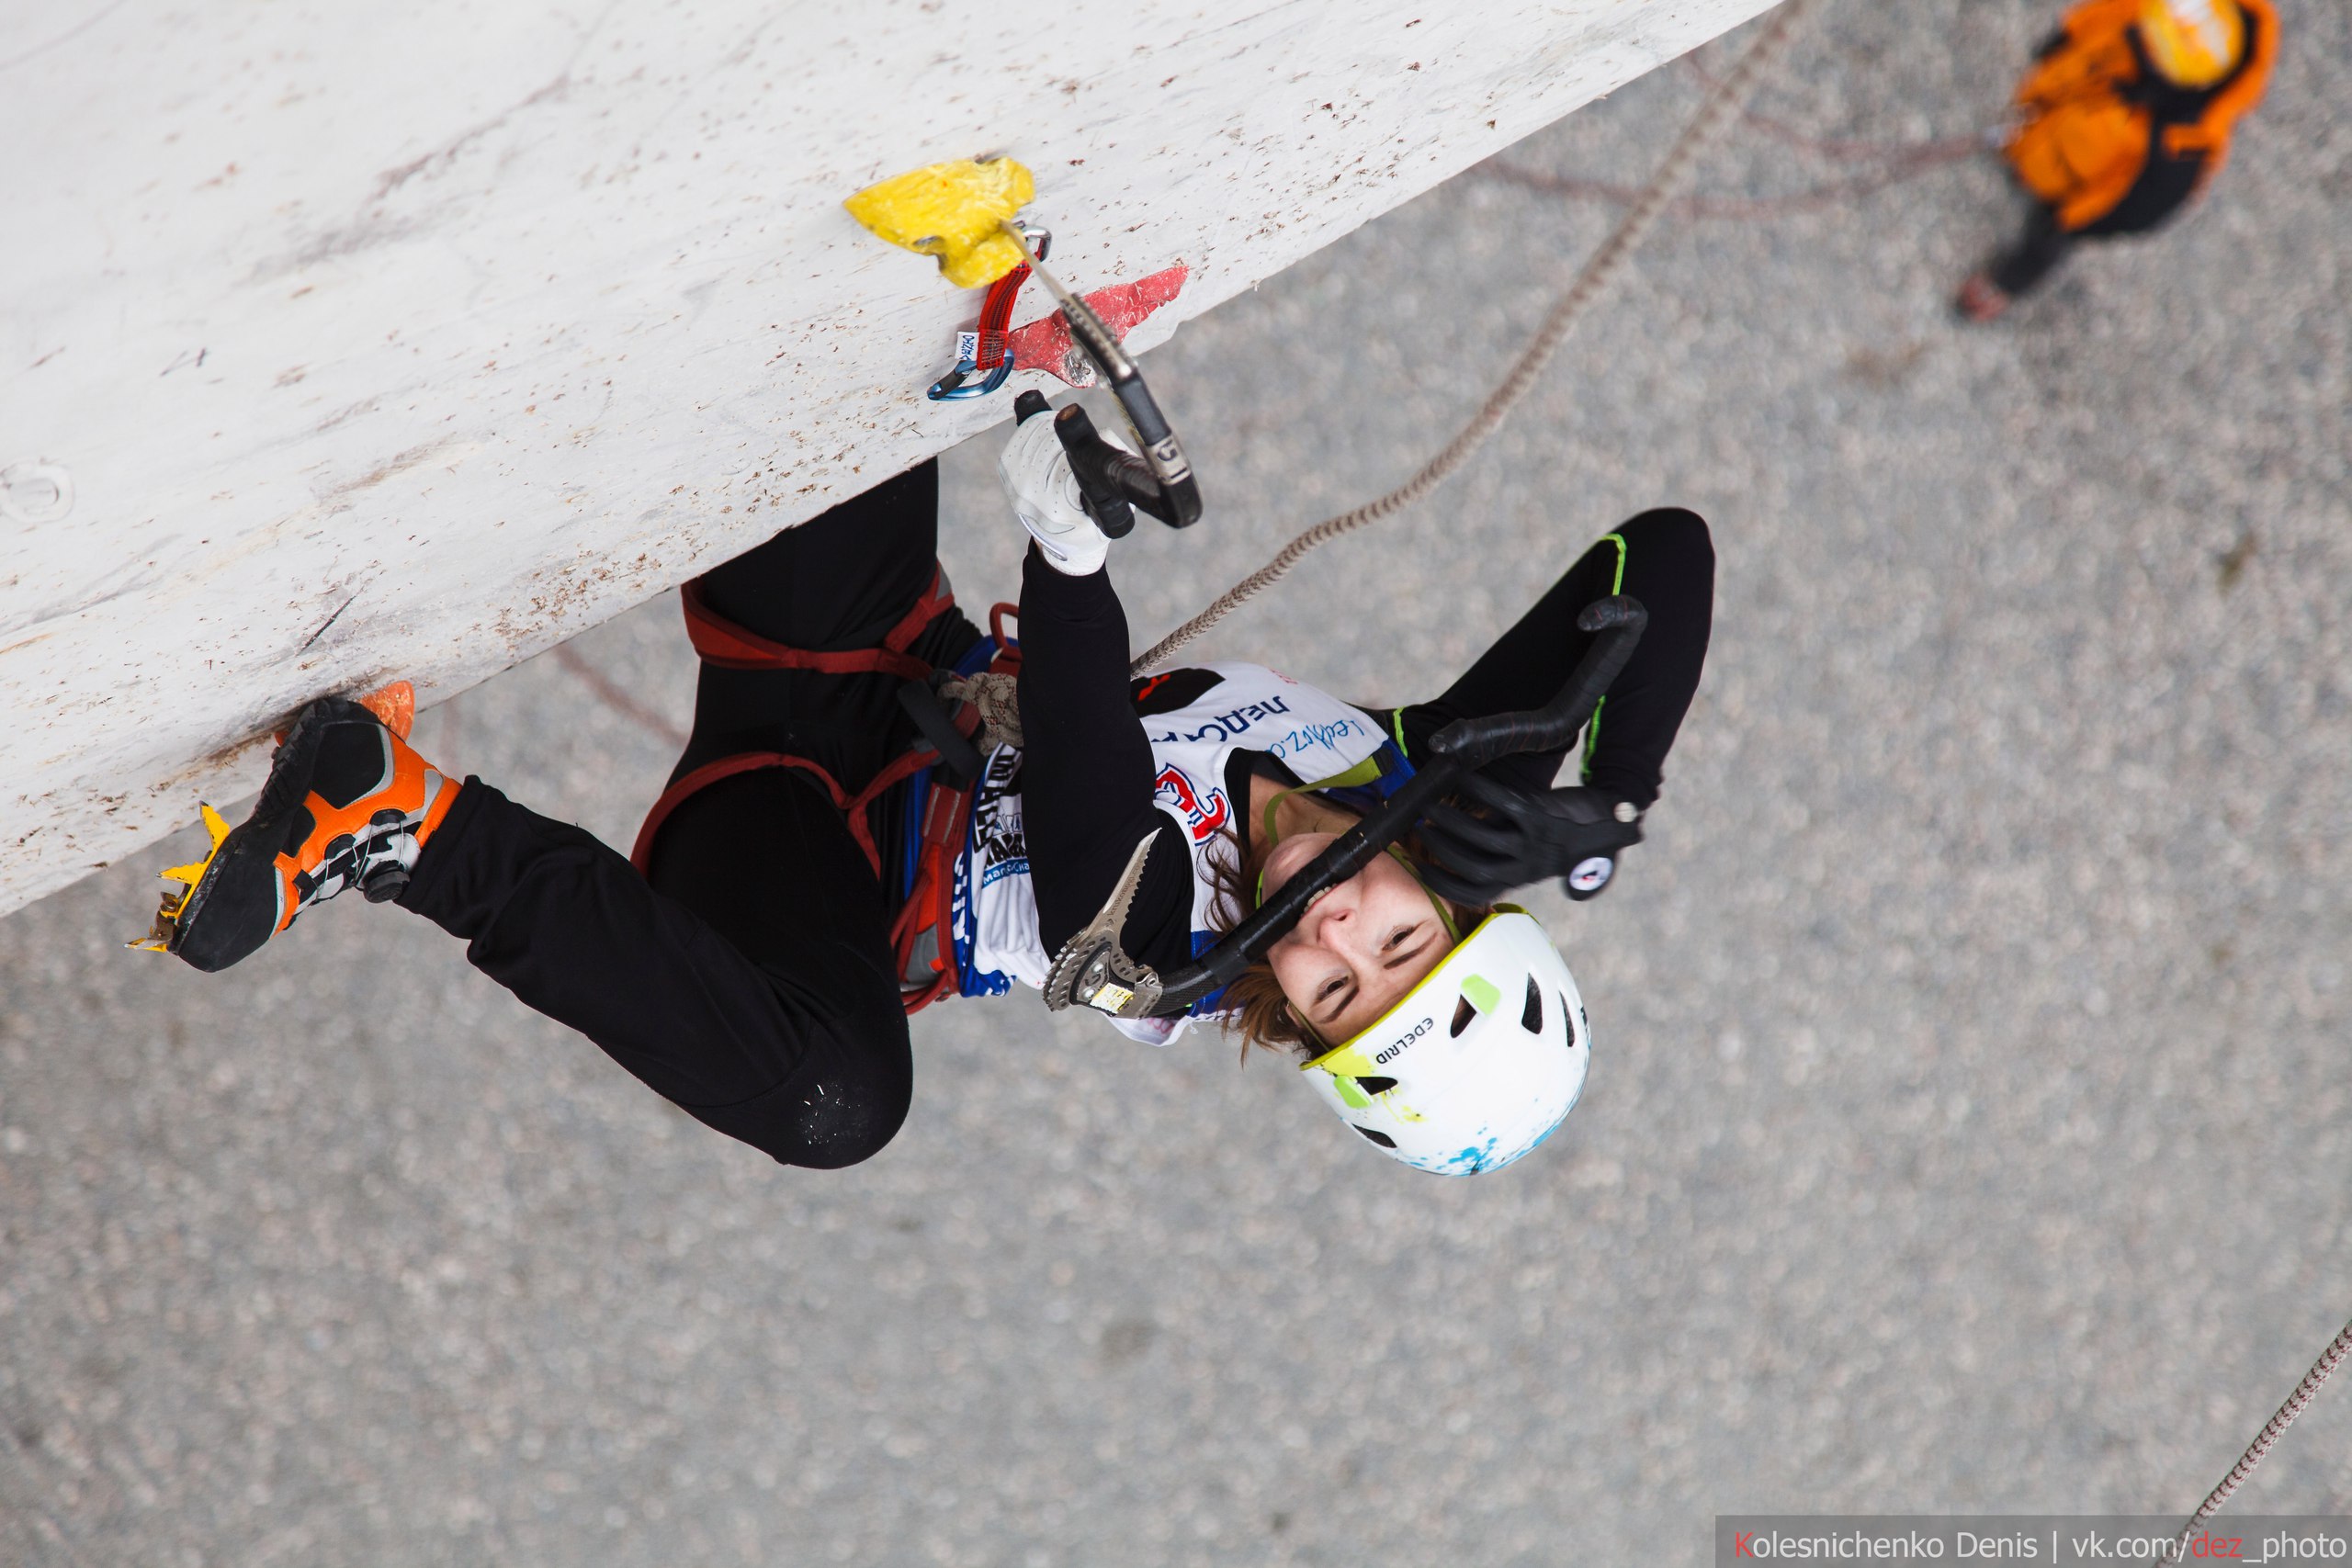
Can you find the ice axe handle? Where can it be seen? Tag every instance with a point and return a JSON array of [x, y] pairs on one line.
[[1098, 466], [1164, 485], [1473, 742], [1161, 481], [1103, 471]]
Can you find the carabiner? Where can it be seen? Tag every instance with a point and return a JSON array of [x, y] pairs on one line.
[[952, 387], [985, 348]]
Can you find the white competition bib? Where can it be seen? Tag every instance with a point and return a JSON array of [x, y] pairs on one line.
[[1248, 707]]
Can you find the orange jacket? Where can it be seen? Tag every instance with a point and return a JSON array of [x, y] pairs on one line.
[[2091, 121]]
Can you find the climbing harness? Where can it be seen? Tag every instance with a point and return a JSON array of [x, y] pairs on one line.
[[984, 348], [942, 770], [1092, 969], [1595, 276]]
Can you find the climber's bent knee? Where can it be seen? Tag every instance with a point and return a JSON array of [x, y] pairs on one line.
[[842, 1107]]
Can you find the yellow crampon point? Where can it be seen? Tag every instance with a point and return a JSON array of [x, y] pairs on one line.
[[159, 935], [394, 703], [953, 211]]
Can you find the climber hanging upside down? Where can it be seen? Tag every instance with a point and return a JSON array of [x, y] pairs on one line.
[[794, 894], [2125, 116]]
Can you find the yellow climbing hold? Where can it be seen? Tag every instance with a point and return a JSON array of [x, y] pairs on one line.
[[951, 211]]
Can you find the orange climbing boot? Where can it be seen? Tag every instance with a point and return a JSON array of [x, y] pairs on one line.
[[348, 804]]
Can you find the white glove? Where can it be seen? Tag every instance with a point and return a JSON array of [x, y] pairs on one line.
[[1045, 495]]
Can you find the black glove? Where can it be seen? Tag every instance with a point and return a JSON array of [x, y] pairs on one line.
[[1518, 836]]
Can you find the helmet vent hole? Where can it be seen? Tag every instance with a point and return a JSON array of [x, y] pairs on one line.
[[1382, 1139], [1531, 1019], [1462, 1013], [1375, 1086], [1569, 1014]]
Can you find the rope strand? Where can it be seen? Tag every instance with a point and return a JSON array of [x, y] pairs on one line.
[[2285, 1417], [1598, 273], [1921, 160], [1782, 131]]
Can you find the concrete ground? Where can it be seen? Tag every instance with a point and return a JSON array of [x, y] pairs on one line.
[[1971, 1129]]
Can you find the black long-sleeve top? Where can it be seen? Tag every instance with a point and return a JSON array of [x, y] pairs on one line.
[[1088, 771]]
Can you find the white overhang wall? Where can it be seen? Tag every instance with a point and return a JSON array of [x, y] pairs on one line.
[[340, 341]]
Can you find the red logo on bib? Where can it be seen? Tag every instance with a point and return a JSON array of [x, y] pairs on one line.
[[1205, 814]]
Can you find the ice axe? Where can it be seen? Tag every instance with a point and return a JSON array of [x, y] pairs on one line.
[[1113, 481], [1092, 969], [966, 215]]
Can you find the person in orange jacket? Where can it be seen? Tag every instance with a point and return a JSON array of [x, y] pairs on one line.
[[2126, 114]]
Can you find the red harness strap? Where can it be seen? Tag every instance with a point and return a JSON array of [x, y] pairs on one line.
[[728, 646], [852, 806], [922, 936]]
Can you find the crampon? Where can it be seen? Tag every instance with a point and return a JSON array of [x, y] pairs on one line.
[[348, 804]]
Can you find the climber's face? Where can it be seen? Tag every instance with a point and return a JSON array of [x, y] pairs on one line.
[[1360, 946]]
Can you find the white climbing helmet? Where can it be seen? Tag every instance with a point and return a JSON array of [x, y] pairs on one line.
[[1477, 1064]]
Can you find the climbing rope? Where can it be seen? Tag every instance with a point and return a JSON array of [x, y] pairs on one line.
[[613, 697], [1721, 107], [1908, 164], [1896, 161], [2285, 1417], [1826, 146]]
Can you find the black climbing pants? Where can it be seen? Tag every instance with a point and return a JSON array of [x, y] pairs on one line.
[[2022, 268], [748, 977], [2163, 189]]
